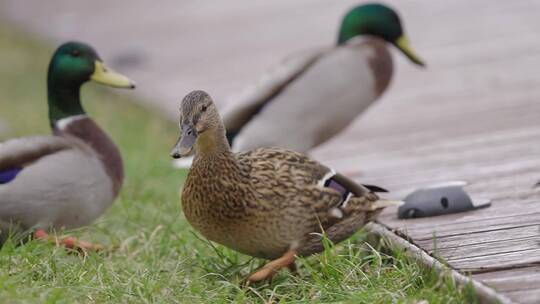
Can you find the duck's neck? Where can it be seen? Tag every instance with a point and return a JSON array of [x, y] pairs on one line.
[[213, 144], [64, 99]]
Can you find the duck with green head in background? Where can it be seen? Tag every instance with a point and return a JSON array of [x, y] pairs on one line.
[[311, 97], [69, 179], [269, 203]]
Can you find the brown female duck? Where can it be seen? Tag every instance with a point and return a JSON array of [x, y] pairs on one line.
[[268, 203]]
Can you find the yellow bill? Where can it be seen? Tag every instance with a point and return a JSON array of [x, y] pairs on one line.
[[403, 44], [104, 75]]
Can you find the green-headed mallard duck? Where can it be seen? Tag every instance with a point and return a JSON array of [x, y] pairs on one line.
[[71, 178], [268, 203], [315, 96]]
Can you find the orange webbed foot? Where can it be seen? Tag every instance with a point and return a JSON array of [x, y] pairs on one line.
[[68, 242], [268, 271]]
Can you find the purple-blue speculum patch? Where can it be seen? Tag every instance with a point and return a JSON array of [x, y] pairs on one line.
[[9, 174], [331, 183]]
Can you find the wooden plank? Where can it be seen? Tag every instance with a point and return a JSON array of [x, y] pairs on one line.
[[493, 262], [500, 187], [475, 166], [393, 140], [403, 163], [459, 228], [501, 212], [379, 232], [443, 226], [431, 148], [496, 181], [481, 161], [504, 198], [499, 209], [507, 118], [531, 296], [482, 250], [438, 158], [438, 108], [448, 134], [512, 279], [480, 238], [508, 273]]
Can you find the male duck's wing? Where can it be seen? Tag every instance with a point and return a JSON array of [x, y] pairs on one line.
[[16, 154], [328, 96], [244, 106]]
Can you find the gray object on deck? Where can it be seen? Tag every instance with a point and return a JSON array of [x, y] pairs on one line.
[[439, 199]]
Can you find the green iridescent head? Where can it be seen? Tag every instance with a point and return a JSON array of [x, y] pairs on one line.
[[72, 65], [377, 20]]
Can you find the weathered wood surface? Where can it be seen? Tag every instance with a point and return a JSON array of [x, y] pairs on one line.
[[513, 279], [486, 132], [473, 114], [485, 294], [520, 284]]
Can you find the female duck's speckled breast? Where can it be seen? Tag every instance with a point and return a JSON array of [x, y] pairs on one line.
[[222, 206], [213, 202]]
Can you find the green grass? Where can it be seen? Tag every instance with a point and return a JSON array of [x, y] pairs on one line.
[[152, 253]]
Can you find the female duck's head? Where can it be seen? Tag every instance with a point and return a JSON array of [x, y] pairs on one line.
[[376, 20], [199, 122], [72, 65]]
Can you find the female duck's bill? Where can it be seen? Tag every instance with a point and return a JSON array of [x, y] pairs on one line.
[[184, 145]]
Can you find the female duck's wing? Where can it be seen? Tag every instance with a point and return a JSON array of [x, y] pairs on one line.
[[293, 168], [244, 106], [285, 166], [354, 187], [310, 197], [292, 183], [298, 174], [16, 154]]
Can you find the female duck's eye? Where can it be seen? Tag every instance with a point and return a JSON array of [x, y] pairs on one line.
[[75, 53], [203, 109]]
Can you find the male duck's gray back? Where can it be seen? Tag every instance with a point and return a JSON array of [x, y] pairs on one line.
[[320, 94], [324, 100], [67, 188]]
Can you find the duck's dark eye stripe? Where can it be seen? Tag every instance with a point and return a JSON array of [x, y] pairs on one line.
[[203, 108]]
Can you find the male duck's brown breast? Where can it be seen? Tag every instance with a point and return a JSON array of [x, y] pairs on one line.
[[89, 132], [380, 63]]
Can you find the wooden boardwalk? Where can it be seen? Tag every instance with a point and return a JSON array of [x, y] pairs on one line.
[[473, 114], [476, 119]]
